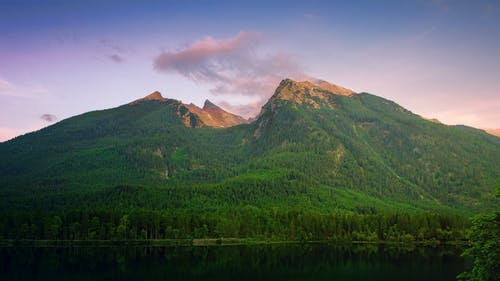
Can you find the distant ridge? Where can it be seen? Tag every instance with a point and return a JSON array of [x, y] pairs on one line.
[[494, 132]]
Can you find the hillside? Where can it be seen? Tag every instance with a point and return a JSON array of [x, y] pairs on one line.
[[314, 147]]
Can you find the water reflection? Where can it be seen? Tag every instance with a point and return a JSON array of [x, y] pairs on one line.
[[258, 262]]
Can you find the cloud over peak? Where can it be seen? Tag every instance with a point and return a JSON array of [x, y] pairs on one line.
[[231, 66], [208, 59]]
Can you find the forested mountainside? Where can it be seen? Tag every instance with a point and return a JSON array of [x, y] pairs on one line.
[[316, 151]]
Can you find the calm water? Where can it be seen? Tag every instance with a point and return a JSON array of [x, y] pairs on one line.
[[261, 262]]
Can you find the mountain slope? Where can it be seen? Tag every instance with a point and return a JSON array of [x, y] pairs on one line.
[[313, 146], [374, 145]]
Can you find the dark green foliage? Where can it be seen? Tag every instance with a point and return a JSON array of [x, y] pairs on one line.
[[240, 222], [485, 247]]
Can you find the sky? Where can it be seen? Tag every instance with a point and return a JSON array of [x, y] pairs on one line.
[[438, 58]]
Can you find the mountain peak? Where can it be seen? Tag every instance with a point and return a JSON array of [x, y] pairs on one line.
[[315, 93], [214, 116], [154, 96], [338, 90], [208, 105], [193, 116], [315, 84], [309, 92]]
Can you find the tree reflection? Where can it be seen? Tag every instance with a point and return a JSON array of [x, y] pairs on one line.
[[256, 262]]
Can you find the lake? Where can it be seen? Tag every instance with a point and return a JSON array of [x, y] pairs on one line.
[[315, 261]]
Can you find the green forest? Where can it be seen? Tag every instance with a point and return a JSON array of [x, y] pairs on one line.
[[349, 168], [248, 222]]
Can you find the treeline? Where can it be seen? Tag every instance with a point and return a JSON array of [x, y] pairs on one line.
[[245, 222]]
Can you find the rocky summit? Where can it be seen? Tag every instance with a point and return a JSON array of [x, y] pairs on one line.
[[193, 116]]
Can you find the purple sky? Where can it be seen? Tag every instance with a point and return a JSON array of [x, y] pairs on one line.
[[438, 58]]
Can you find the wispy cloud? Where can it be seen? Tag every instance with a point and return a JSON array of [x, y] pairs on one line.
[[443, 5], [9, 89], [48, 117], [116, 58], [116, 52], [491, 9], [246, 110], [311, 16], [231, 66], [67, 38], [112, 45]]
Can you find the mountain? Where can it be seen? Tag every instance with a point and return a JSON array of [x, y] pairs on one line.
[[312, 94], [214, 116], [210, 115], [314, 146]]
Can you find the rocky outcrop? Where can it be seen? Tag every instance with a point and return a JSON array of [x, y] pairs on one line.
[[306, 92], [193, 116], [315, 94]]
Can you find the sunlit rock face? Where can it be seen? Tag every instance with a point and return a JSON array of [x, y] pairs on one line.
[[193, 116], [214, 116], [308, 92]]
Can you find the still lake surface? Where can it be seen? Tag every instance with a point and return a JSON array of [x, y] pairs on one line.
[[315, 261]]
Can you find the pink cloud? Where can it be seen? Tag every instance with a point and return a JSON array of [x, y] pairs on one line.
[[208, 58], [248, 110], [232, 67]]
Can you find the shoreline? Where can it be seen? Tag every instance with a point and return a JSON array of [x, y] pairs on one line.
[[212, 242]]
